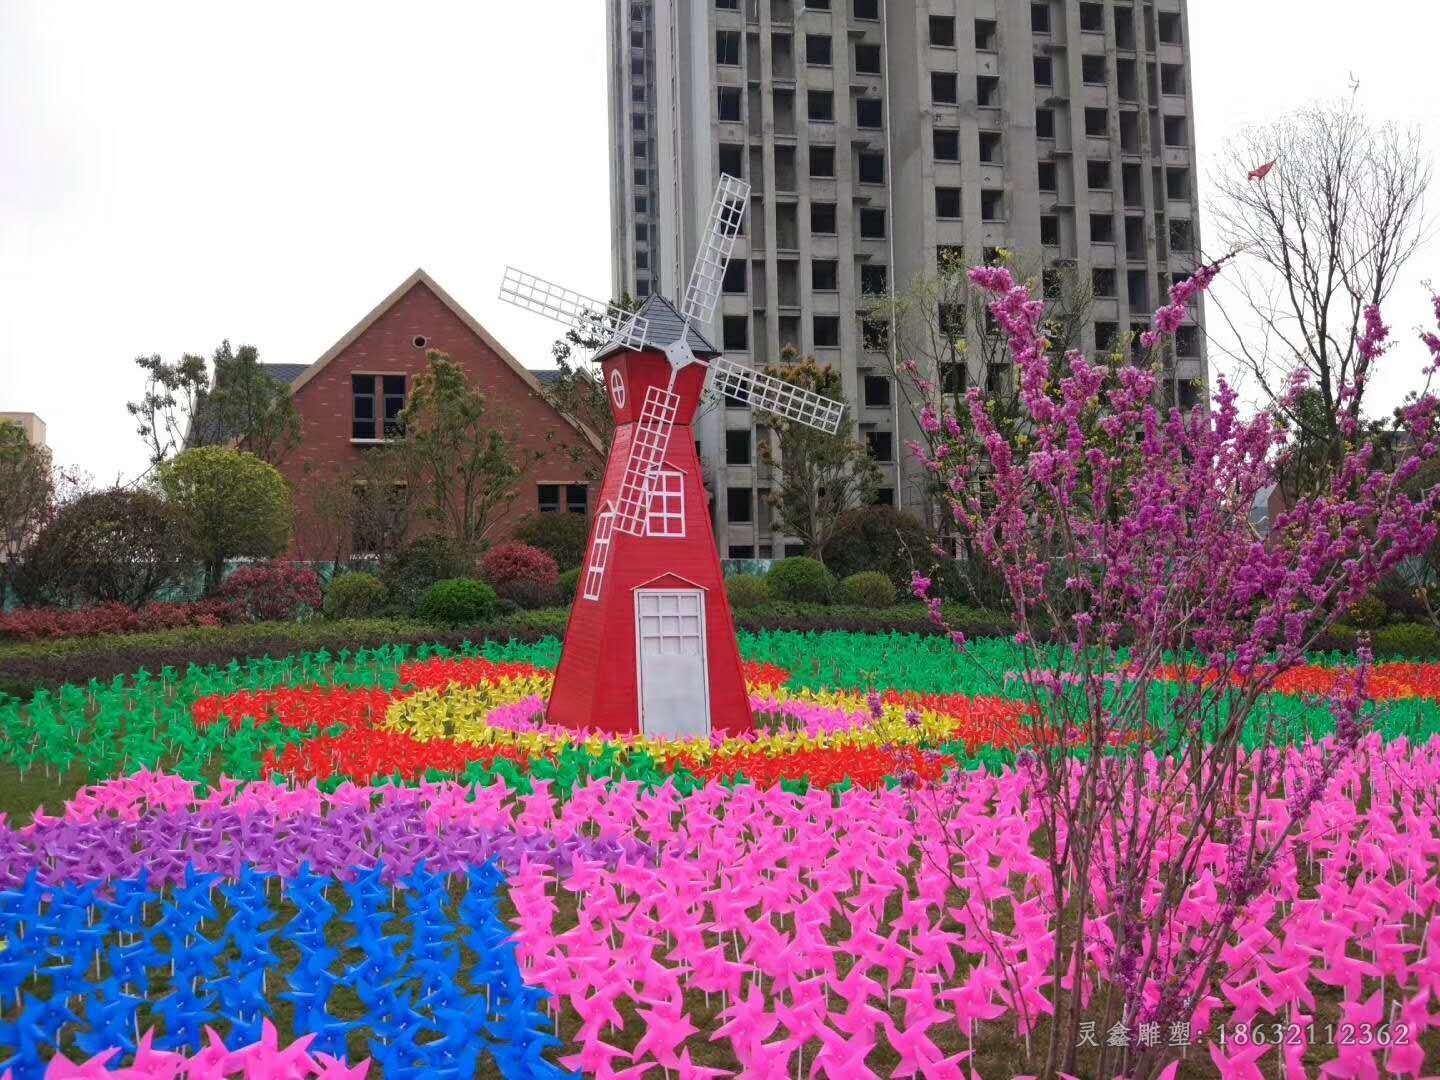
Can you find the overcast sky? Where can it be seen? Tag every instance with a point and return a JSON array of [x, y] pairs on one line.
[[172, 174]]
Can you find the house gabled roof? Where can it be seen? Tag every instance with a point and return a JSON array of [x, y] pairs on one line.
[[285, 373], [420, 277], [664, 329]]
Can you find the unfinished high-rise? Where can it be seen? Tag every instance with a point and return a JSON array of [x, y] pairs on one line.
[[880, 137]]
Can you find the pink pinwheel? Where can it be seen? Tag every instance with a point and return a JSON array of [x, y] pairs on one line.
[[1248, 999], [666, 1029], [688, 1070], [844, 1059], [856, 990], [1408, 1058], [917, 1052], [1356, 1060], [1200, 1018], [334, 1069], [1241, 1064], [1290, 985], [1293, 1050], [598, 1012], [92, 1069], [976, 999], [214, 1059], [594, 1057], [935, 948], [949, 1068], [159, 1064], [748, 1022], [806, 1017], [267, 1058]]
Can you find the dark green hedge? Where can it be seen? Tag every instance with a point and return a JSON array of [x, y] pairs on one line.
[[27, 667]]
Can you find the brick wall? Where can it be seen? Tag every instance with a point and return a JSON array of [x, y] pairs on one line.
[[326, 451]]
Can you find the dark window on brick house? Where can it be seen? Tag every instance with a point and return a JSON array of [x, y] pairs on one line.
[[548, 496], [376, 402]]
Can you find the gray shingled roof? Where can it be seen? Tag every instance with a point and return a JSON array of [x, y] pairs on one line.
[[545, 376], [665, 324], [285, 373]]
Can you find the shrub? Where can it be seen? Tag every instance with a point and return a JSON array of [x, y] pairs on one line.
[[568, 585], [28, 666], [108, 547], [521, 573], [801, 580], [1367, 613], [1404, 600], [867, 589], [1413, 640], [747, 591], [418, 565], [354, 596], [879, 538], [236, 505], [459, 600], [55, 624], [272, 592], [561, 536]]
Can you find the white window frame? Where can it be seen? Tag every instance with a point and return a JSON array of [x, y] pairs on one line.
[[599, 554], [667, 491]]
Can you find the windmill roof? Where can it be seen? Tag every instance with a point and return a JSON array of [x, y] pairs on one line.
[[664, 329]]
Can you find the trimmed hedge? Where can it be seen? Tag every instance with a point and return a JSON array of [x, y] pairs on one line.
[[801, 581], [868, 589], [747, 591], [1411, 640], [30, 666], [459, 601], [354, 596]]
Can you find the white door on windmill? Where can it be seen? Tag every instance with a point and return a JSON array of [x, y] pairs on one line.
[[674, 678]]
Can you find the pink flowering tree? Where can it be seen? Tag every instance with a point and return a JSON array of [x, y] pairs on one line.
[[1153, 621]]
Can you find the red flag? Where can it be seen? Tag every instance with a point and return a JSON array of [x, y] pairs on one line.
[[1263, 171]]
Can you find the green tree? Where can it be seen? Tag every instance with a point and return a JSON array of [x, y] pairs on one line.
[[27, 496], [165, 412], [245, 405], [817, 476], [457, 454], [118, 546], [236, 505]]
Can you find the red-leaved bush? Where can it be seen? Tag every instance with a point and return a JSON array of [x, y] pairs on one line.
[[521, 573], [272, 592], [41, 623]]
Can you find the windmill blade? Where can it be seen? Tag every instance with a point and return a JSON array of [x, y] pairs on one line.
[[732, 196], [572, 309], [777, 396], [647, 453]]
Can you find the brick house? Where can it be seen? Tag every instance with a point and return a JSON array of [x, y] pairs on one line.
[[349, 398]]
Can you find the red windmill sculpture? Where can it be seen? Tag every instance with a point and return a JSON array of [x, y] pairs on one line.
[[651, 646]]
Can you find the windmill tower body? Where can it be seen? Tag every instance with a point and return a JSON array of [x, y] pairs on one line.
[[651, 646]]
